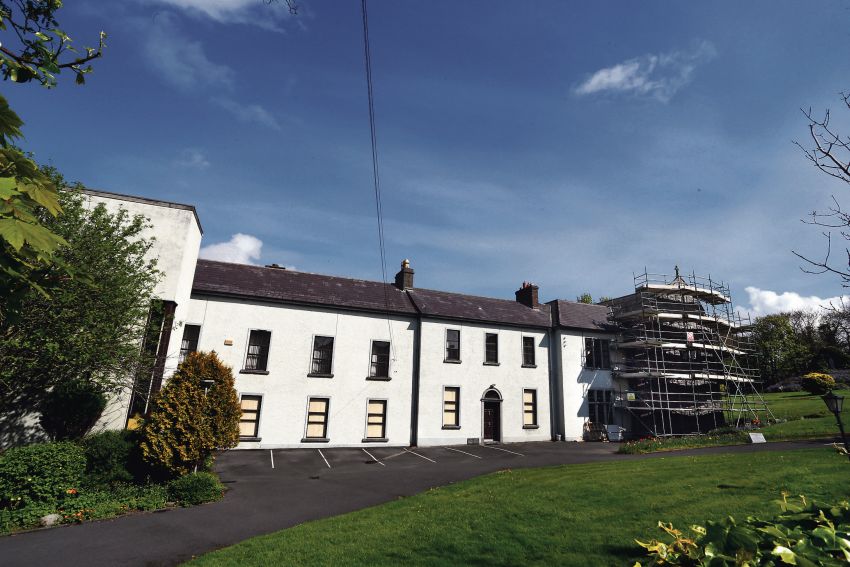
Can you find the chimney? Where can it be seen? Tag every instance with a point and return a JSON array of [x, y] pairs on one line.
[[404, 277], [527, 295]]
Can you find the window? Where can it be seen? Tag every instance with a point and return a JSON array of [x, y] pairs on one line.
[[258, 351], [529, 408], [601, 405], [317, 418], [491, 348], [452, 345], [597, 353], [528, 352], [189, 342], [249, 423], [376, 419], [380, 367], [323, 354], [451, 407]]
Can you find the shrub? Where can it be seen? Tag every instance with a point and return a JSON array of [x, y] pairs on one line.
[[108, 457], [818, 383], [804, 534], [40, 473], [71, 409], [187, 425], [195, 488]]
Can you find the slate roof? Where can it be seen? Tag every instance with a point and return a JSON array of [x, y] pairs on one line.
[[586, 316], [274, 284], [443, 304]]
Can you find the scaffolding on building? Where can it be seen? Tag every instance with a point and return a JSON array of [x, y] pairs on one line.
[[685, 357]]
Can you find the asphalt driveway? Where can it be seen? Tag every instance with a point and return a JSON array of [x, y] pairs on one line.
[[275, 489]]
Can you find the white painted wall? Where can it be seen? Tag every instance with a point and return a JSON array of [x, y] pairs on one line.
[[575, 380], [474, 378], [177, 241], [286, 388]]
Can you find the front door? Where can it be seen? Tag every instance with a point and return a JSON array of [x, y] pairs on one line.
[[491, 421]]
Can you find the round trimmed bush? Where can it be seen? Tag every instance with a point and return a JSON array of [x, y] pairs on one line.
[[818, 383], [195, 488], [40, 473], [108, 457]]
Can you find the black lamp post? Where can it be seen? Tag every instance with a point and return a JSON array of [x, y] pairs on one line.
[[835, 403]]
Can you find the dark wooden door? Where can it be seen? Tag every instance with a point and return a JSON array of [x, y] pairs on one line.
[[491, 421]]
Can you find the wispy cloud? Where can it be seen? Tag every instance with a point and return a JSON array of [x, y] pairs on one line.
[[181, 62], [267, 15], [248, 113], [240, 249], [766, 302], [659, 76], [192, 158]]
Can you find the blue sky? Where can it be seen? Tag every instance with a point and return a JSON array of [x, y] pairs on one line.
[[569, 144]]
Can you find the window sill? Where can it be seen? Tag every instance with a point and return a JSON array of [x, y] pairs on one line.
[[451, 361], [529, 366], [375, 440], [319, 375], [316, 440], [451, 427], [379, 378], [249, 371], [250, 439], [531, 427], [491, 364]]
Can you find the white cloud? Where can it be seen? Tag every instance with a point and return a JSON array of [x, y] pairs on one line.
[[181, 62], [658, 76], [766, 302], [240, 249], [248, 113], [255, 12], [192, 158]]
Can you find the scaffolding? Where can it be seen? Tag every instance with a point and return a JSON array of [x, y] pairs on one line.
[[684, 357]]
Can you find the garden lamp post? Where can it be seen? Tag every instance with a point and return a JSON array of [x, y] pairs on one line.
[[207, 384], [835, 403]]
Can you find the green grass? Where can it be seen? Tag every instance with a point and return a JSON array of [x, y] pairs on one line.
[[569, 515], [804, 416]]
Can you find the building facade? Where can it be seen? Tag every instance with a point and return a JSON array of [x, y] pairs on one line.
[[329, 361]]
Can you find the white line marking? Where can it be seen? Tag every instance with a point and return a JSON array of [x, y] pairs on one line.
[[464, 452], [420, 456], [505, 450], [271, 455], [323, 457], [373, 457], [395, 455]]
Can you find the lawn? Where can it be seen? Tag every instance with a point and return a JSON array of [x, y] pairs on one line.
[[568, 515]]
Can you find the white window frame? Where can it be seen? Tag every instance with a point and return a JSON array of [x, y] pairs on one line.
[[459, 358], [245, 370], [310, 372], [389, 359], [497, 361], [522, 351]]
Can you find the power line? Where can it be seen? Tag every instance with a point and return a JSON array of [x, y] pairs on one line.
[[376, 178]]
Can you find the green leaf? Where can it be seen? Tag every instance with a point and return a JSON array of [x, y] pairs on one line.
[[785, 554], [44, 194], [17, 233], [8, 188]]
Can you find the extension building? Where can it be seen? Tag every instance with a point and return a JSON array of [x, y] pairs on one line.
[[336, 361]]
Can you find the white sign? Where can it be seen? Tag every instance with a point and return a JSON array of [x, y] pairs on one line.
[[757, 438]]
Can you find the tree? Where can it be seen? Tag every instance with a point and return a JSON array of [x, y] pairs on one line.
[[33, 48], [781, 352], [88, 330], [585, 298], [195, 413]]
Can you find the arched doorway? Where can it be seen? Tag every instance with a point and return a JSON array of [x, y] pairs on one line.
[[491, 415]]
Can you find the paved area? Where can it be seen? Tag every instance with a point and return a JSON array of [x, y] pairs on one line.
[[275, 489]]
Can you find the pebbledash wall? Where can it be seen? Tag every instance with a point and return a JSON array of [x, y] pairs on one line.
[[533, 386]]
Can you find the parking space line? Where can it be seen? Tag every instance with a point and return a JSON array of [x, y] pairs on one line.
[[394, 455], [464, 452], [323, 458], [373, 458], [505, 450], [420, 456], [271, 456]]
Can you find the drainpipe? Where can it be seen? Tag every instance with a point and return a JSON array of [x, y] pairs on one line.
[[414, 407]]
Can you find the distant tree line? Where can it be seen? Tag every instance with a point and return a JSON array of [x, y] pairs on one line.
[[793, 343]]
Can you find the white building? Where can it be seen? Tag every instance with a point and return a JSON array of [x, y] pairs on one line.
[[346, 362]]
